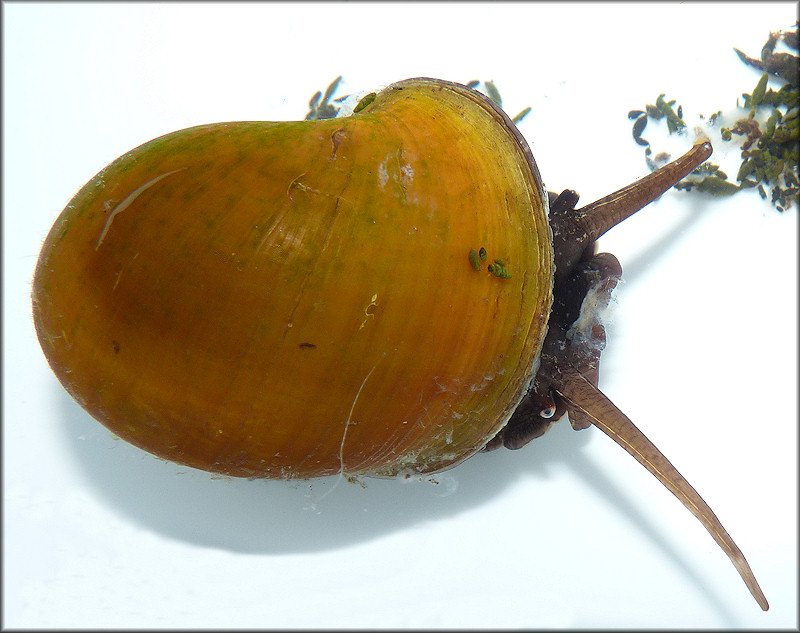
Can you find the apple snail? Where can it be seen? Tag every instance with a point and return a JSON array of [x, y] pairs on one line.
[[382, 294]]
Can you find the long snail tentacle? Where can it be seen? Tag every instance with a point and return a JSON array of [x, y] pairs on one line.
[[583, 396]]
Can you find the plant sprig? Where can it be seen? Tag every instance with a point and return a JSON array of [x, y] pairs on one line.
[[319, 104], [321, 107], [769, 132]]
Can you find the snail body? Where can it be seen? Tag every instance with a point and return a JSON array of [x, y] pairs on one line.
[[382, 294]]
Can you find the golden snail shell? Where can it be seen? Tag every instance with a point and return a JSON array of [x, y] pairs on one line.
[[296, 299]]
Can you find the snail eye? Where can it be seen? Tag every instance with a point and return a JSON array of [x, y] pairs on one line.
[[547, 412]]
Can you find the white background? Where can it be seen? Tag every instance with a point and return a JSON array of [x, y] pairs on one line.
[[568, 532]]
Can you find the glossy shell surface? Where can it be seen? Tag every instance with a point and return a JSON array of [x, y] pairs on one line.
[[296, 299]]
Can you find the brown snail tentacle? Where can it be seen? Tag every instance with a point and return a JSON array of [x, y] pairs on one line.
[[603, 214], [581, 395], [576, 230]]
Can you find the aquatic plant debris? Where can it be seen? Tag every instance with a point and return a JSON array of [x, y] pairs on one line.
[[325, 106], [768, 133]]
